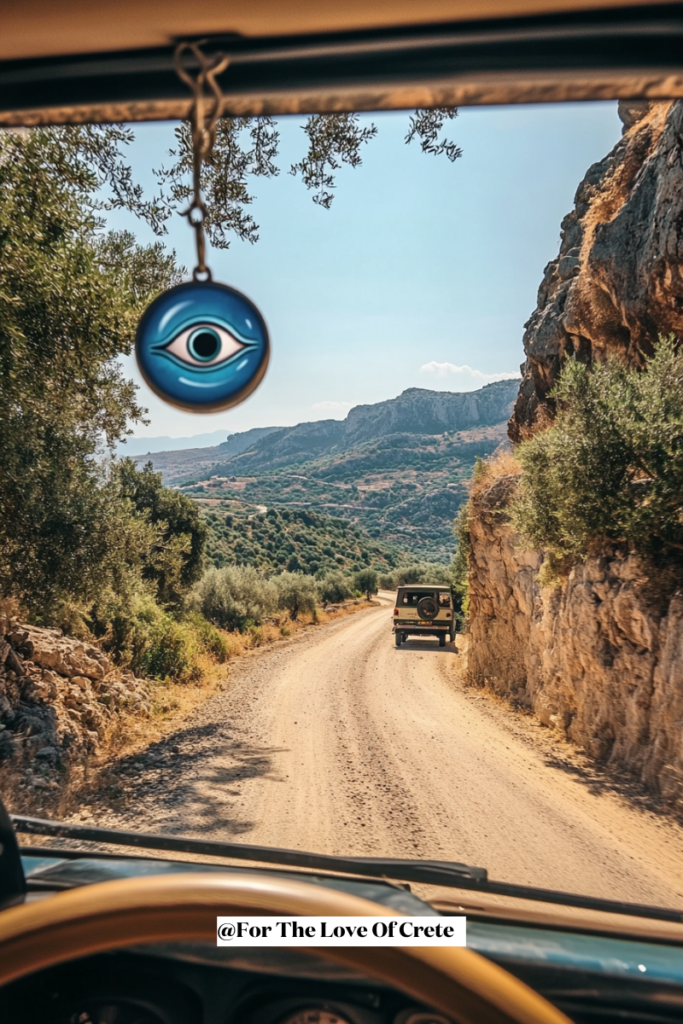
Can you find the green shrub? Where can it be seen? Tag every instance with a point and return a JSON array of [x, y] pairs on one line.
[[173, 651], [210, 638], [334, 588], [459, 567], [142, 636], [366, 581], [256, 635], [296, 593], [234, 597], [124, 626], [610, 468]]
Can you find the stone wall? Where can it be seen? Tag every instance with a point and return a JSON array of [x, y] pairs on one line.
[[599, 658]]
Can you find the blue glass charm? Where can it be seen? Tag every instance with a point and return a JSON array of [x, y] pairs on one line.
[[202, 346]]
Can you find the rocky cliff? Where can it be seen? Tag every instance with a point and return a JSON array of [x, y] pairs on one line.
[[598, 657], [617, 282], [420, 411]]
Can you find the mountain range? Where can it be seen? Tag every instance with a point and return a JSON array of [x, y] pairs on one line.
[[397, 469]]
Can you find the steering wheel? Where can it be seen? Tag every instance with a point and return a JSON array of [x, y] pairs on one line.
[[183, 907]]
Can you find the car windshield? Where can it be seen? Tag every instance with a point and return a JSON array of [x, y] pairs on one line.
[[436, 358]]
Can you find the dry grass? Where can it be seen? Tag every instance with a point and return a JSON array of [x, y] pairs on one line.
[[501, 464]]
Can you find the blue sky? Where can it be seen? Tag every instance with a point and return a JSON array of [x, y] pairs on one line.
[[419, 263]]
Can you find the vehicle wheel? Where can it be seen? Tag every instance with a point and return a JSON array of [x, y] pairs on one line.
[[442, 640], [398, 637]]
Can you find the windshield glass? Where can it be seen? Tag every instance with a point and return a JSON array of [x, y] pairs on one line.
[[472, 413]]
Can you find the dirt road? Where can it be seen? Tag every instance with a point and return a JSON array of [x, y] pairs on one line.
[[339, 742]]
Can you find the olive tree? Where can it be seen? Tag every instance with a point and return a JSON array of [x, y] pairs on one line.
[[70, 297]]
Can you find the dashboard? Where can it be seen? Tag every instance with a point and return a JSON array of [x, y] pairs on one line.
[[592, 978], [184, 986]]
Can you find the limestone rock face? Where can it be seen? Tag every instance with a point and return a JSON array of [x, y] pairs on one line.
[[599, 659], [418, 410], [57, 698], [617, 282]]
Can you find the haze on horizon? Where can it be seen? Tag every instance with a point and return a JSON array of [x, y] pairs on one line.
[[422, 274]]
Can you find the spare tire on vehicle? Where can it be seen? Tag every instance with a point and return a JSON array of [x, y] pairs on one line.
[[427, 608]]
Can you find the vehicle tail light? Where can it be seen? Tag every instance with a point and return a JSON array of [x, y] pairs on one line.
[[395, 611]]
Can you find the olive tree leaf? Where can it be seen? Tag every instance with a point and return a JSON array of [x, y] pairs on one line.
[[91, 155], [224, 178], [425, 126], [333, 140]]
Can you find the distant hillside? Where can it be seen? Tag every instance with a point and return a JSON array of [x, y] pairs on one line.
[[418, 411], [415, 412], [179, 465], [404, 488], [134, 446], [378, 468], [296, 540]]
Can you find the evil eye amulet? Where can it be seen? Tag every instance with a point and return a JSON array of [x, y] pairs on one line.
[[202, 346]]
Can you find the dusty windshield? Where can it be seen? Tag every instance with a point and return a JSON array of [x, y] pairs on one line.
[[418, 595]]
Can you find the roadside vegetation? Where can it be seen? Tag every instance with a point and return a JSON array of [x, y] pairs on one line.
[[607, 472], [610, 468]]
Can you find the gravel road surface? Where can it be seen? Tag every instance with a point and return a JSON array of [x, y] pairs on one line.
[[338, 742]]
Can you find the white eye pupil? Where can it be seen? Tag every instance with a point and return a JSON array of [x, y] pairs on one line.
[[204, 344]]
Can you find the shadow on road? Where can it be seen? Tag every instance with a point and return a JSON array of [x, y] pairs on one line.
[[429, 645], [193, 777], [600, 780]]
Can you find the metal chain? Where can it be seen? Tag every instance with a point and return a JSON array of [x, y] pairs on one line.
[[206, 109]]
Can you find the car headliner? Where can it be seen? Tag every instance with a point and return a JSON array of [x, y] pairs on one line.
[[40, 28], [76, 61]]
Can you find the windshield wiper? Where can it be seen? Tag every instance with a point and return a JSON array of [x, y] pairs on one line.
[[429, 872]]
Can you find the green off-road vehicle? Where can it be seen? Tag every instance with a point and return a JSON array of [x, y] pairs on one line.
[[423, 610]]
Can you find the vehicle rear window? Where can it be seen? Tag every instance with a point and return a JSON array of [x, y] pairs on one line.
[[411, 597]]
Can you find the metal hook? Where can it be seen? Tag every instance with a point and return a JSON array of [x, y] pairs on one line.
[[203, 123]]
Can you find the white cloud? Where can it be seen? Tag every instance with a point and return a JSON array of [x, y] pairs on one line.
[[465, 374], [333, 409]]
